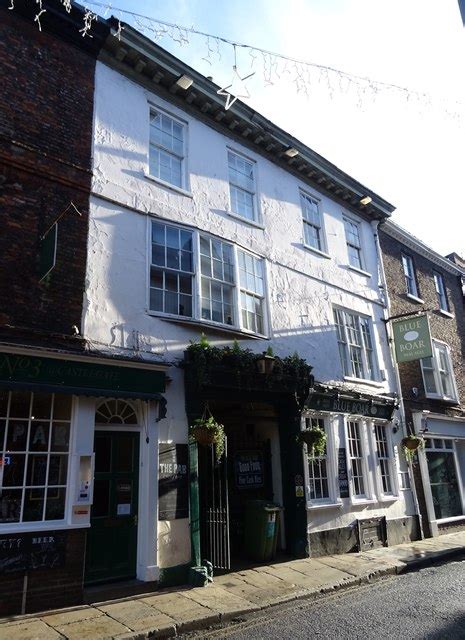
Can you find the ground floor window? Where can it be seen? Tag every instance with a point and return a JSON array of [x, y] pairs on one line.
[[34, 455], [444, 478], [318, 487]]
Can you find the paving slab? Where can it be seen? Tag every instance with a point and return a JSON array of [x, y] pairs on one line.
[[29, 630], [100, 628], [358, 567], [138, 615], [221, 600], [184, 611], [66, 617]]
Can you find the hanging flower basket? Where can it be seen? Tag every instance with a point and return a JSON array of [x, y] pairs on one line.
[[207, 431], [315, 439], [411, 444]]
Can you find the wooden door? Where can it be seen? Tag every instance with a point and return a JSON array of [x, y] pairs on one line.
[[112, 538]]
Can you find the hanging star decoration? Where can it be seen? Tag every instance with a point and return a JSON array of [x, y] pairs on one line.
[[236, 89]]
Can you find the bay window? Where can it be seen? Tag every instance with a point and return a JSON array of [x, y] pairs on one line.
[[438, 375], [357, 469], [34, 453], [194, 275], [385, 459]]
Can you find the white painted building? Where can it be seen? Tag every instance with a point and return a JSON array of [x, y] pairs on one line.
[[203, 220]]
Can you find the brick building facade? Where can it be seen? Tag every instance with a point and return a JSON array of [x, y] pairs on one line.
[[433, 389], [46, 109]]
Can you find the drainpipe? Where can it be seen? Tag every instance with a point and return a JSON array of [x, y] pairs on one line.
[[387, 310]]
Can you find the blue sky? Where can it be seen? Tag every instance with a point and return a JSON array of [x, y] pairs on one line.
[[411, 152]]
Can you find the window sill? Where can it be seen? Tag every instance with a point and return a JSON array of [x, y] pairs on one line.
[[453, 519], [362, 502], [316, 251], [370, 383], [445, 313], [169, 186], [388, 498], [410, 296], [30, 527], [252, 223], [362, 272], [433, 396], [221, 328], [311, 506]]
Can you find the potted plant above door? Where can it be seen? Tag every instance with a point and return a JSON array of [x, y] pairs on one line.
[[411, 444], [315, 439], [207, 431], [265, 362]]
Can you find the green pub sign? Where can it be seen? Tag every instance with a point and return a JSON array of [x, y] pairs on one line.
[[412, 339]]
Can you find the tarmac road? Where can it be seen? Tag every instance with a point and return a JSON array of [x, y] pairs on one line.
[[428, 604]]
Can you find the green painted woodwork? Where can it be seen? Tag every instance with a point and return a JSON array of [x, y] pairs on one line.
[[68, 374], [112, 539], [194, 503]]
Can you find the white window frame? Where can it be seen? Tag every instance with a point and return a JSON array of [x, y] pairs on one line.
[[345, 344], [304, 195], [437, 345], [44, 525], [367, 496], [409, 275], [358, 247], [425, 469], [441, 291], [256, 219], [333, 499], [197, 279], [391, 461], [183, 159]]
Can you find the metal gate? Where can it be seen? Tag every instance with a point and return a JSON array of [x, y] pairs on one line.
[[214, 508]]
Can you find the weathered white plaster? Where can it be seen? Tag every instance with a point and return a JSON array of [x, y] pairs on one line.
[[302, 286]]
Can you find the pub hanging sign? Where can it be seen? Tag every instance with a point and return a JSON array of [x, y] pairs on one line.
[[412, 338]]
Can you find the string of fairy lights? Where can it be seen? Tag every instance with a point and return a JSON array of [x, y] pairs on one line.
[[268, 67]]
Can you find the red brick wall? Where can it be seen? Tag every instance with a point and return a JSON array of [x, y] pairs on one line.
[[47, 588], [46, 110], [449, 330]]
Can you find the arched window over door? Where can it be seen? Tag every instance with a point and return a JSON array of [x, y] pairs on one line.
[[115, 412]]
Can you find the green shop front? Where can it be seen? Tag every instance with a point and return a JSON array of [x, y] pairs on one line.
[[247, 502], [78, 475]]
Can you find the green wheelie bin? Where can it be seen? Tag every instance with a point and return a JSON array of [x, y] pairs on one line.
[[261, 529]]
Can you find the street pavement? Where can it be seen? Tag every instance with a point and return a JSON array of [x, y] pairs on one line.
[[236, 595], [428, 604]]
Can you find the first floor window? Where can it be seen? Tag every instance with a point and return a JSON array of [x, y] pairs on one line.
[[355, 344], [313, 232], [356, 463], [318, 467], [444, 478], [166, 154], [242, 186], [34, 453], [409, 275], [354, 245], [441, 291], [438, 376], [384, 455], [197, 276]]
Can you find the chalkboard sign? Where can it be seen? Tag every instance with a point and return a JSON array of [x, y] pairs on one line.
[[248, 469], [342, 473], [29, 551], [173, 497]]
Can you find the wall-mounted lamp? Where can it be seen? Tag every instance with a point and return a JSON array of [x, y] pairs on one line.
[[291, 152], [365, 200], [184, 82]]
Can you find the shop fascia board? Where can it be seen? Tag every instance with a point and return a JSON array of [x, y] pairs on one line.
[[348, 191]]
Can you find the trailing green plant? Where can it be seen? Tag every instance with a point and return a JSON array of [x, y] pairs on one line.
[[208, 431], [410, 445], [315, 439], [270, 352]]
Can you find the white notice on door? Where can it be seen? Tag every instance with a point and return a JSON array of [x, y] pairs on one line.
[[123, 509]]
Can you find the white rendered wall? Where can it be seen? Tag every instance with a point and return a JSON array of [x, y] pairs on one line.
[[302, 286]]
